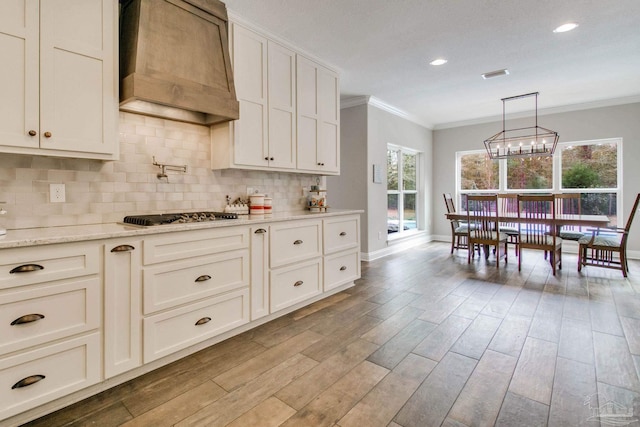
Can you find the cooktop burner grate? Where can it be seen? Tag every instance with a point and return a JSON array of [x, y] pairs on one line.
[[177, 218]]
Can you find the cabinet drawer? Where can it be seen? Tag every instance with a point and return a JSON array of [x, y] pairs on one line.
[[294, 241], [37, 315], [341, 234], [26, 266], [171, 284], [295, 284], [67, 366], [341, 268], [174, 330], [189, 244]]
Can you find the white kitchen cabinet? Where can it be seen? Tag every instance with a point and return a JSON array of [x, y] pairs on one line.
[[58, 79], [259, 271], [264, 136], [295, 283], [295, 241], [318, 136], [122, 306], [283, 97], [50, 314], [341, 242]]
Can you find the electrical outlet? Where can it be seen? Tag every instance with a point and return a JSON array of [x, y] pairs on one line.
[[251, 191], [57, 193], [379, 235]]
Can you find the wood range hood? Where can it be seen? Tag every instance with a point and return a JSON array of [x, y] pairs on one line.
[[174, 60]]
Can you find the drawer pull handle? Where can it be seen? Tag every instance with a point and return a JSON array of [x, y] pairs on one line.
[[297, 242], [32, 132], [343, 268], [26, 268], [203, 278], [28, 381], [203, 321], [48, 135], [27, 318], [343, 233], [123, 248], [260, 231], [298, 283]]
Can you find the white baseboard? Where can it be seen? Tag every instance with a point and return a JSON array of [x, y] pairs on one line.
[[397, 245]]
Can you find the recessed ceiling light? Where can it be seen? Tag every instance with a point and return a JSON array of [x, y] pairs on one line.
[[438, 61], [497, 73], [565, 27]]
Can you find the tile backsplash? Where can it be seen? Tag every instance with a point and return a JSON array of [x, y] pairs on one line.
[[103, 192]]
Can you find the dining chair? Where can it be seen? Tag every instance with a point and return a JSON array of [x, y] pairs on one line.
[[537, 230], [606, 250], [459, 229], [509, 205], [484, 228], [569, 204]]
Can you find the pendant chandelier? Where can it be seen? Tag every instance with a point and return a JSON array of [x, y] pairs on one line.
[[533, 141]]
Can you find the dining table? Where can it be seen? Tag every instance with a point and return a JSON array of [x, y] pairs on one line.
[[559, 220]]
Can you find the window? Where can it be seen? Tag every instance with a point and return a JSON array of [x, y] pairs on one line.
[[402, 190], [591, 168]]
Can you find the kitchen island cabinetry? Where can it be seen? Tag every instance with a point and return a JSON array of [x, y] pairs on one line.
[[267, 135], [341, 237], [58, 80], [50, 315]]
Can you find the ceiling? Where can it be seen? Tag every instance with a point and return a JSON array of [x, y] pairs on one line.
[[382, 48]]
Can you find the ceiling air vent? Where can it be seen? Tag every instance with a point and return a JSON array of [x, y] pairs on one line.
[[497, 73]]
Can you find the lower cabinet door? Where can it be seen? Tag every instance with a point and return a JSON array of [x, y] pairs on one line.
[[291, 285], [35, 377], [341, 268], [173, 330]]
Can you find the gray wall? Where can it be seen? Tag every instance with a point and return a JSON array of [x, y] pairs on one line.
[[365, 132], [608, 122]]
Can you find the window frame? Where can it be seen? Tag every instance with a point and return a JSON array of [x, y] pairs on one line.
[[556, 177], [401, 233]]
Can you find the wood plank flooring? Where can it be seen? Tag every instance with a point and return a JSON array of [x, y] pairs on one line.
[[423, 339]]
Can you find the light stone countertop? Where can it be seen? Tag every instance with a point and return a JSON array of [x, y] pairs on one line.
[[78, 233]]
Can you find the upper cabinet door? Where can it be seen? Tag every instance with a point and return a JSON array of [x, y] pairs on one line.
[[251, 141], [19, 73], [282, 106], [318, 118], [78, 89]]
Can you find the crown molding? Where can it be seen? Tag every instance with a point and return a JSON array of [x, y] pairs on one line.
[[545, 112], [353, 101]]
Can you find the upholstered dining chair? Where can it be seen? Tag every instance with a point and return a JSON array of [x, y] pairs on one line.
[[605, 250], [508, 203], [569, 204], [459, 229], [484, 229], [537, 229]]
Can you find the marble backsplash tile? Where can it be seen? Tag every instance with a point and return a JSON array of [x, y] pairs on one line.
[[102, 192]]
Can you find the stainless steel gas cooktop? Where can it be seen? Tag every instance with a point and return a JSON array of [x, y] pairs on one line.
[[177, 218]]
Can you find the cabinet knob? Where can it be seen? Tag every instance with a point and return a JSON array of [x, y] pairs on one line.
[[203, 321], [25, 268], [298, 242], [266, 158], [271, 158], [298, 283], [343, 233], [33, 132], [27, 318], [123, 248], [203, 278], [343, 268], [28, 381], [47, 134], [260, 231]]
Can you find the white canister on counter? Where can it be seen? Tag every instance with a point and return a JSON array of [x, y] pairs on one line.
[[268, 204], [256, 202]]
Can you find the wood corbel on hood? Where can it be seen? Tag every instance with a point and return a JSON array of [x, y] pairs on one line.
[[174, 60]]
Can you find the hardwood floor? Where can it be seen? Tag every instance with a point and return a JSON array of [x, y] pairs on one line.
[[423, 339]]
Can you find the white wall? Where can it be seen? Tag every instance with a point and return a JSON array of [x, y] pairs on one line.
[[365, 132], [621, 121]]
